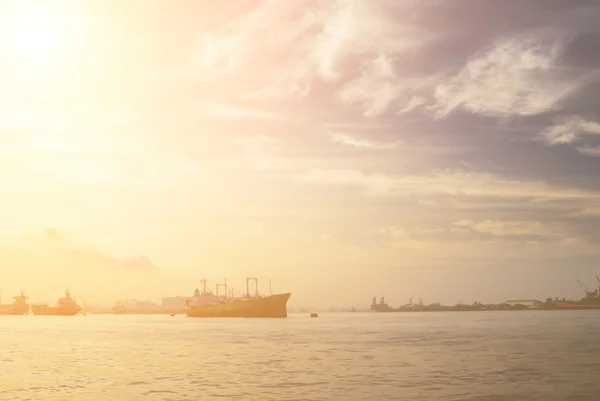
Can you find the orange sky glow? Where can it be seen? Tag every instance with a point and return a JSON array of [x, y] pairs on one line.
[[147, 145]]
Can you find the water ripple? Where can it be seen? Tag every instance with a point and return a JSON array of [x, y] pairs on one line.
[[466, 357]]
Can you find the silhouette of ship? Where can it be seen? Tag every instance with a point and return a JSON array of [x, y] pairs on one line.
[[66, 306], [18, 307], [205, 304]]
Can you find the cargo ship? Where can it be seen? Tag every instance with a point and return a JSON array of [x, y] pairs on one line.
[[247, 306], [18, 307], [66, 306]]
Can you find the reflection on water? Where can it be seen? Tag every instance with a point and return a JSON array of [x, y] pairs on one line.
[[434, 356]]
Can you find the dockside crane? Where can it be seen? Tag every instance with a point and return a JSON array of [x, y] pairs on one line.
[[584, 288]]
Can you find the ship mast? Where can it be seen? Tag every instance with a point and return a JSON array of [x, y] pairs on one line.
[[224, 286], [203, 281], [248, 279]]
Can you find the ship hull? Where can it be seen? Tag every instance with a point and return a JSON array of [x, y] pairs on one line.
[[13, 310], [50, 311], [273, 306]]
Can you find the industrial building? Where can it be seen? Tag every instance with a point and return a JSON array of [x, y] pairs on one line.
[[528, 303]]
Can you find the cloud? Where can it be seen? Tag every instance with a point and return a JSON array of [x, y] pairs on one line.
[[375, 90], [453, 183], [321, 46], [519, 76], [589, 212], [361, 143], [363, 27], [509, 228], [590, 151], [399, 233], [569, 130], [238, 112], [502, 240]]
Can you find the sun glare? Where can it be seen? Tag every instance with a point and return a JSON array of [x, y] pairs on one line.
[[36, 38], [36, 32]]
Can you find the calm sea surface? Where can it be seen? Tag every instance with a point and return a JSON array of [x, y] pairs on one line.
[[434, 356]]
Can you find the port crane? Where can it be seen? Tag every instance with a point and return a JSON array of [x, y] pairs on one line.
[[584, 288]]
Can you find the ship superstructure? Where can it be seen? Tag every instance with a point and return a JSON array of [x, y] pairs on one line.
[[18, 307]]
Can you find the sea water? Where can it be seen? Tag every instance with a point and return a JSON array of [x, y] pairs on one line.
[[550, 355]]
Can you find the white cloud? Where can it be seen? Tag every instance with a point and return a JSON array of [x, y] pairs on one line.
[[375, 90], [414, 103], [518, 76], [396, 233], [590, 151], [509, 228], [321, 45], [361, 27], [570, 130], [353, 141]]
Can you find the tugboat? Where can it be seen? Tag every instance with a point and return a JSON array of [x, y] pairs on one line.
[[66, 306], [206, 304], [18, 307]]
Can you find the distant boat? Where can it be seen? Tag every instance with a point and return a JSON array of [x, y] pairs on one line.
[[248, 306], [66, 306], [18, 307]]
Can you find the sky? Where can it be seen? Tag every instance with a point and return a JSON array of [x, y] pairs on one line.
[[345, 149]]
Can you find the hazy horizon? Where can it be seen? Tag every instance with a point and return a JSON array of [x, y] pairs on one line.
[[447, 150]]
